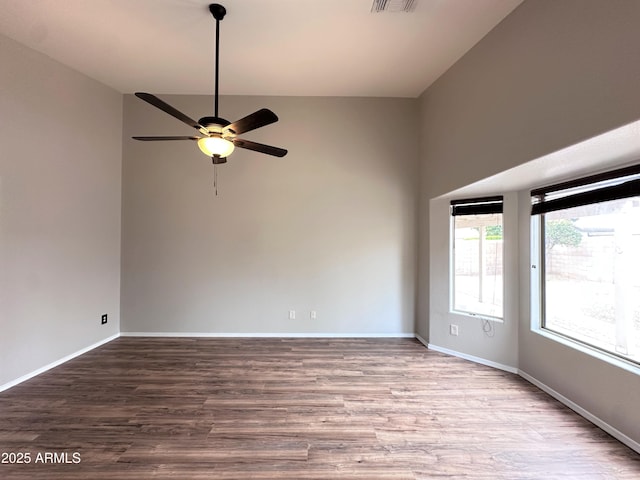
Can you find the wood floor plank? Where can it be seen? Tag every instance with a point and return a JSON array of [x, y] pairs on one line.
[[348, 409]]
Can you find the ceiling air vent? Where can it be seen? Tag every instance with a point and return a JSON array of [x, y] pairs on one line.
[[393, 6]]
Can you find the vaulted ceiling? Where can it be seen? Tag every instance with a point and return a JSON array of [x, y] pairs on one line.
[[268, 47]]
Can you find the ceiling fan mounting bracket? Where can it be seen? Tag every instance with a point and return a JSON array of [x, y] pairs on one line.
[[218, 11]]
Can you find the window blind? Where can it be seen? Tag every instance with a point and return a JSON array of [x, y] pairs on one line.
[[603, 187], [477, 206]]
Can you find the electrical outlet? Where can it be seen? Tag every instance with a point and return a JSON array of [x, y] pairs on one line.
[[292, 314], [104, 319], [313, 315], [453, 330]]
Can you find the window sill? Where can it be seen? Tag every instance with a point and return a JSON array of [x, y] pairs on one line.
[[629, 366], [477, 315]]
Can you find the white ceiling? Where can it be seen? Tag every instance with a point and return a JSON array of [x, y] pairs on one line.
[[268, 47]]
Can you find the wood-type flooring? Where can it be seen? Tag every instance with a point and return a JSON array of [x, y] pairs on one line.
[[366, 409]]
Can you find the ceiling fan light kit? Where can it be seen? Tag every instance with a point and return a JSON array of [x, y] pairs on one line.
[[212, 146], [220, 137]]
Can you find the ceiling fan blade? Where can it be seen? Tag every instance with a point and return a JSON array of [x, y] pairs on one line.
[[156, 139], [165, 107], [258, 119], [259, 147]]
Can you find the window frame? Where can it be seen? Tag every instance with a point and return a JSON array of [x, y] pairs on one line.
[[613, 186], [473, 206]]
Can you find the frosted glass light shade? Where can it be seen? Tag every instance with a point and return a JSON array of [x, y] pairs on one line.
[[211, 146]]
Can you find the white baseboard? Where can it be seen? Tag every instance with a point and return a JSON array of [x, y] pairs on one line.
[[266, 335], [472, 358], [617, 434], [40, 370], [629, 442], [421, 340]]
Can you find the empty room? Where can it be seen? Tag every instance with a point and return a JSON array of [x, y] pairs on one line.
[[338, 239]]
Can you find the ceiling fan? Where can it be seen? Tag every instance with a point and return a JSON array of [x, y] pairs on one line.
[[219, 135]]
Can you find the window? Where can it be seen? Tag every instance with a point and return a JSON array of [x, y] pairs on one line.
[[477, 256], [589, 251]]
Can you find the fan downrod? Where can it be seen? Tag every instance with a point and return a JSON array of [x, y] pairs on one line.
[[218, 11]]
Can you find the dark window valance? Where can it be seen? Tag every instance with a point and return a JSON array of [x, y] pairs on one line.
[[603, 187], [477, 206]]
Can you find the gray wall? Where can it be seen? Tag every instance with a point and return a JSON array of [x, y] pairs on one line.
[[551, 74], [60, 170], [330, 227]]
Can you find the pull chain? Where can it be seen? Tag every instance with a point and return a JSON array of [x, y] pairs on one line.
[[215, 177]]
